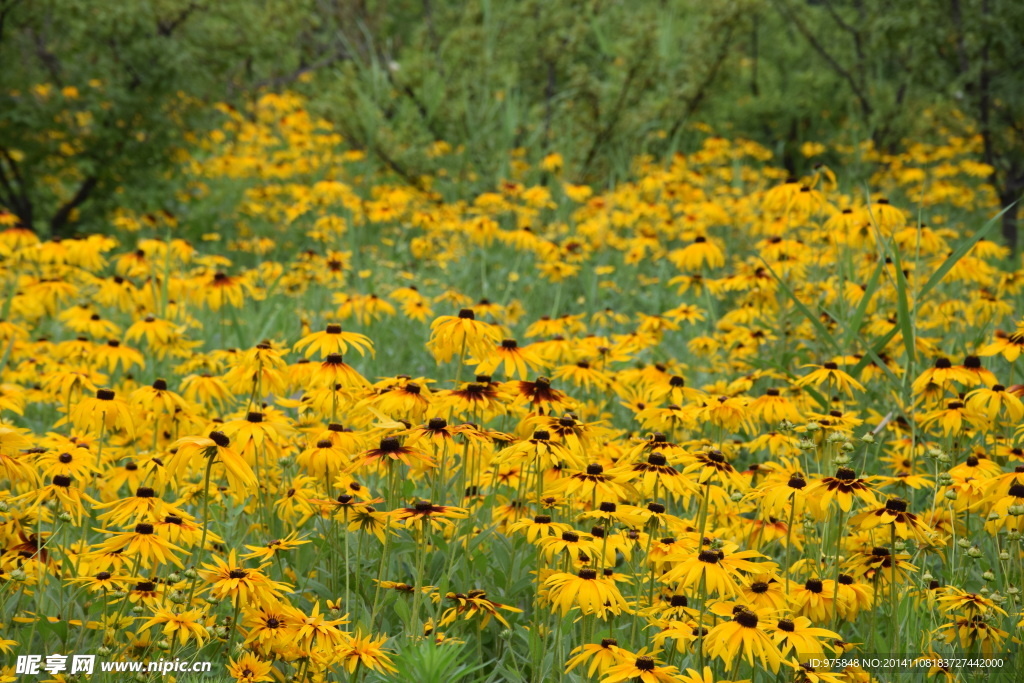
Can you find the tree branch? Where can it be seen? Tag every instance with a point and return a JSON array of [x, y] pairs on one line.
[[60, 219], [841, 71], [166, 27]]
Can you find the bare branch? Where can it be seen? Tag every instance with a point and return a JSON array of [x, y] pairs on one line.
[[841, 71], [167, 27], [60, 219]]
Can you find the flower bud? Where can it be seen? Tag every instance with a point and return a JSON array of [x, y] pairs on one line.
[[847, 447], [1016, 509], [19, 574], [138, 609], [103, 651], [173, 577], [944, 458], [736, 496], [164, 644], [842, 459], [177, 597], [191, 573], [963, 542], [1004, 556], [868, 438], [950, 494], [974, 552], [64, 516], [812, 426], [945, 479], [988, 575]]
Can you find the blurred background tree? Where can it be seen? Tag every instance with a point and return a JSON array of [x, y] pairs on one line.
[[96, 98]]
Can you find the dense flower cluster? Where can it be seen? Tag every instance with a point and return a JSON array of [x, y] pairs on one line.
[[731, 422]]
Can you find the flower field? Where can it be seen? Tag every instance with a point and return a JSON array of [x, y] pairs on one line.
[[708, 423]]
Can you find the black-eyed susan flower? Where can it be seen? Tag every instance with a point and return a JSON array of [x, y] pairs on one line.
[[742, 636], [249, 668], [183, 626], [214, 448], [600, 657], [585, 590], [895, 513]]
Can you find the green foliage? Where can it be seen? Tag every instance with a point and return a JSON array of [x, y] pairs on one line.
[[598, 82]]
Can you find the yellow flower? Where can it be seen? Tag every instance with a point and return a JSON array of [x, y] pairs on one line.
[[185, 624]]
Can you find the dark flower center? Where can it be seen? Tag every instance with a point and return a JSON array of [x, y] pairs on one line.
[[105, 394], [334, 359], [237, 573], [323, 443], [972, 362], [657, 459], [846, 579], [145, 492], [160, 385], [424, 506], [541, 435], [746, 618], [607, 507], [173, 519], [656, 508], [509, 344], [334, 329], [594, 469], [846, 474], [759, 587], [145, 586], [570, 537], [644, 663], [797, 482], [1017, 490], [588, 574], [389, 444], [436, 424], [786, 625], [609, 642], [896, 505], [830, 366], [943, 364], [716, 456], [144, 529], [62, 481], [542, 519], [273, 623], [220, 438], [103, 576], [254, 417], [467, 314], [65, 458], [813, 585], [679, 601], [708, 556]]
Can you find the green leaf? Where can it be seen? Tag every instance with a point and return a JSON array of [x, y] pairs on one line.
[[903, 315], [818, 325], [862, 307]]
